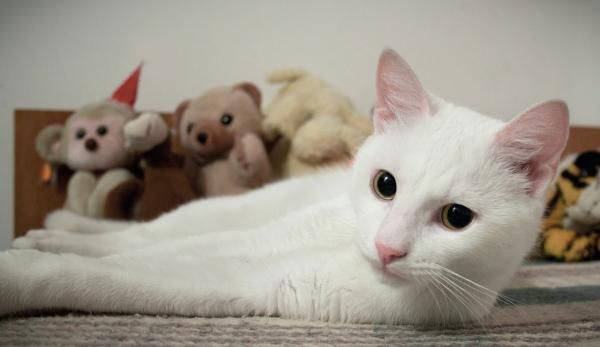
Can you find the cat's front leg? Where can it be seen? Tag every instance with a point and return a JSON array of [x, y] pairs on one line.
[[326, 223], [243, 211], [91, 245], [32, 280]]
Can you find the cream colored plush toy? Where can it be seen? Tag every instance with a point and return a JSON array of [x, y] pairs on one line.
[[317, 125]]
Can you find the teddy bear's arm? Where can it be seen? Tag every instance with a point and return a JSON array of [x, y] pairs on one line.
[[250, 162]]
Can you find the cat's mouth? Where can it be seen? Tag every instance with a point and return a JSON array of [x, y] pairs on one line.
[[394, 274]]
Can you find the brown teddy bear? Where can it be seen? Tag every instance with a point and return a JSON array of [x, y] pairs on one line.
[[316, 124], [220, 132]]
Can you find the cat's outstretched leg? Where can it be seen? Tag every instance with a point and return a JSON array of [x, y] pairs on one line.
[[328, 221], [226, 213], [70, 221], [331, 284], [32, 280]]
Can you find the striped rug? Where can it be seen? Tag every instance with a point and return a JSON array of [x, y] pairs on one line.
[[557, 304]]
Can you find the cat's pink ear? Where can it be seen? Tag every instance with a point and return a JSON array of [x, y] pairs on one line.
[[533, 142], [400, 96]]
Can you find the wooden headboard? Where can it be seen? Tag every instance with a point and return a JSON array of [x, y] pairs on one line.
[[33, 199]]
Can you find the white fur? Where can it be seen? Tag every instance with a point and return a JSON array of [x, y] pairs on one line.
[[305, 248]]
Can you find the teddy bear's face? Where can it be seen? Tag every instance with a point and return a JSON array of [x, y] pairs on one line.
[[210, 124]]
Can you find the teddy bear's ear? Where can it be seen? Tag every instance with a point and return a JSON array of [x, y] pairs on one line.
[[178, 114], [252, 90], [48, 143]]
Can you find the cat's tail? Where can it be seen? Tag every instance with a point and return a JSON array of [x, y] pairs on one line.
[[286, 75], [71, 221]]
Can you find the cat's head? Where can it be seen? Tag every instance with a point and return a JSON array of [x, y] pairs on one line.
[[441, 186]]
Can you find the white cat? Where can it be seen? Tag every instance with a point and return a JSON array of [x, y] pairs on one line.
[[436, 214]]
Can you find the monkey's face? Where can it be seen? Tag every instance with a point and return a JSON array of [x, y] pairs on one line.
[[96, 143]]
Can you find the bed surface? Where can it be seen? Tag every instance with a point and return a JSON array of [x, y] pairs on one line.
[[557, 304]]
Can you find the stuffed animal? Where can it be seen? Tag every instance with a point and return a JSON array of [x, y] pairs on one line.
[[164, 186], [92, 144], [220, 132], [318, 125], [571, 227]]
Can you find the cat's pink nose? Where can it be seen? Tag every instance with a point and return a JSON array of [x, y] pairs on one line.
[[387, 254]]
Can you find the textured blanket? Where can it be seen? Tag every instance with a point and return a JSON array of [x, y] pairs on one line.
[[554, 304]]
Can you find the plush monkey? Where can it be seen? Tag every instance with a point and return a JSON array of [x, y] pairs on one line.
[[220, 132], [92, 143]]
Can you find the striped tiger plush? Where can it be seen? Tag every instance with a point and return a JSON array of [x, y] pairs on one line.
[[571, 227]]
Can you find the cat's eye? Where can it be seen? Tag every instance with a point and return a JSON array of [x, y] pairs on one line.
[[456, 216], [80, 134], [384, 185], [226, 119], [102, 130]]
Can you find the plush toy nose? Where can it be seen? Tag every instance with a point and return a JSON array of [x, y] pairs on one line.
[[387, 254], [91, 145], [202, 137]]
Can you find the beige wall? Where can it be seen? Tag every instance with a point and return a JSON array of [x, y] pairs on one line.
[[498, 57]]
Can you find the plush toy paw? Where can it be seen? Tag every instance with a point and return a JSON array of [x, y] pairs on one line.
[[62, 220], [583, 248], [81, 186], [567, 245], [145, 132], [250, 158], [557, 241]]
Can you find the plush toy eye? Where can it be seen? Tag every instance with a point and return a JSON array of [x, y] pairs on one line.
[[80, 134], [456, 216], [190, 127], [384, 185], [102, 130], [226, 119]]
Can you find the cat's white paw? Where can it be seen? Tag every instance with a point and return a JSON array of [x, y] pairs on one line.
[[23, 243], [60, 241], [29, 241]]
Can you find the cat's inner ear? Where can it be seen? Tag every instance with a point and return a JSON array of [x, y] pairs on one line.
[[400, 96], [533, 142]]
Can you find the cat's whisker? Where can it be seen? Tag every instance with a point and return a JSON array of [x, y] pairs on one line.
[[442, 287], [470, 299], [492, 317], [446, 313], [474, 286], [430, 291], [505, 299], [513, 304]]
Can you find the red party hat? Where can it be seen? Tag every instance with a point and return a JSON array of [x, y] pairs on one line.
[[127, 91]]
